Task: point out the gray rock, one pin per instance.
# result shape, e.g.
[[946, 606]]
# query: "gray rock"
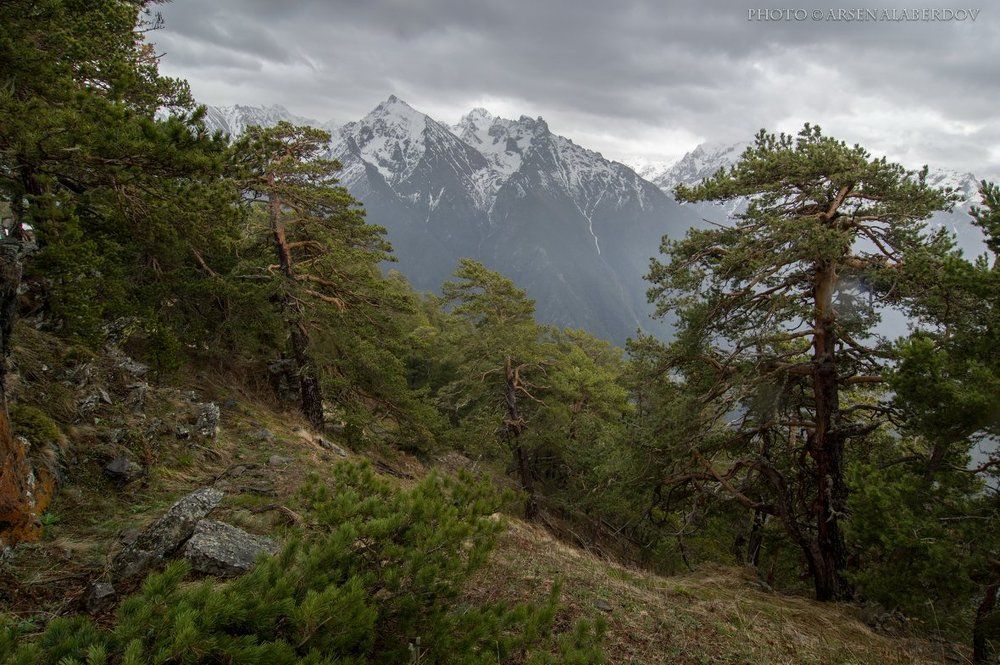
[[122, 469], [217, 548], [136, 399], [92, 401], [331, 446], [164, 536], [182, 432], [133, 367], [264, 434], [279, 460], [209, 416], [99, 597]]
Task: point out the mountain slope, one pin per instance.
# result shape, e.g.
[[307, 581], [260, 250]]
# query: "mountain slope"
[[233, 120], [574, 229], [261, 457]]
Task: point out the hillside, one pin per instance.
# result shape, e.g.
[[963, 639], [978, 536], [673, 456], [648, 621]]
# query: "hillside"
[[262, 455]]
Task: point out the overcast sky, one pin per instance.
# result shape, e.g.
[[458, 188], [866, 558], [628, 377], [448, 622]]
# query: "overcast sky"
[[634, 80]]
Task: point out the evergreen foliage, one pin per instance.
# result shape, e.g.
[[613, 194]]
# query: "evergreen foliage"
[[378, 578], [777, 431], [774, 333]]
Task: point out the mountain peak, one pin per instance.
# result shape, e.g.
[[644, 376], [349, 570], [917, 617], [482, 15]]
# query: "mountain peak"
[[394, 102], [477, 116], [233, 120], [396, 113]]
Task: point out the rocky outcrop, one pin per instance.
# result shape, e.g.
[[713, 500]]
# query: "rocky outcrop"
[[164, 537], [217, 548]]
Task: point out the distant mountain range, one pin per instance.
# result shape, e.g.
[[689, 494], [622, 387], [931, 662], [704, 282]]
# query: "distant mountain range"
[[575, 229]]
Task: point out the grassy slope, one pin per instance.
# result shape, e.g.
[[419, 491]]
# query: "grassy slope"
[[713, 615]]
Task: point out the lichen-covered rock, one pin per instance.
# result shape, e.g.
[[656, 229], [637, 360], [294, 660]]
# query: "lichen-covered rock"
[[279, 460], [209, 416], [217, 548], [165, 536]]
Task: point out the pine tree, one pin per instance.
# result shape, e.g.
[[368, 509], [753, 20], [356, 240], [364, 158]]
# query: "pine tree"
[[326, 255], [773, 333], [81, 156], [502, 360], [945, 387]]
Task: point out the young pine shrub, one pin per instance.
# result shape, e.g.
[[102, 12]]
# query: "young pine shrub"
[[378, 578]]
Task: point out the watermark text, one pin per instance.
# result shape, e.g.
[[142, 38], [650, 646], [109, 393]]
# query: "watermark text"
[[858, 15]]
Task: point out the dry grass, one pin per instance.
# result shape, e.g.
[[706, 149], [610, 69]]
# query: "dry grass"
[[714, 615]]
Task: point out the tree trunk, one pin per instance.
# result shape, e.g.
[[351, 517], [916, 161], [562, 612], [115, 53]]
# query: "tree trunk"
[[826, 444], [756, 538], [514, 426], [980, 652], [310, 391]]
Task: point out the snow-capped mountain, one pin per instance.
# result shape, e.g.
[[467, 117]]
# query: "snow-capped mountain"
[[233, 120], [695, 166], [574, 229]]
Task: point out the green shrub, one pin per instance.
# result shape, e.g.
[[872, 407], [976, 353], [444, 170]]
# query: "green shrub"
[[378, 578]]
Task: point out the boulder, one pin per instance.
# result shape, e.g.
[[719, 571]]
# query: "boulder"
[[122, 469], [164, 536], [217, 548], [279, 460], [136, 399]]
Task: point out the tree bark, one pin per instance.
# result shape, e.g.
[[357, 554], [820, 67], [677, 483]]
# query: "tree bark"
[[310, 391], [826, 443], [514, 426]]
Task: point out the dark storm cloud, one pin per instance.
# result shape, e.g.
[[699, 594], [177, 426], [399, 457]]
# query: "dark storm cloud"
[[644, 78]]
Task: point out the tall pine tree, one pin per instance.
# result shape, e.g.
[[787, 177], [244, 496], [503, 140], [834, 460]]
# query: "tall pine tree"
[[774, 327]]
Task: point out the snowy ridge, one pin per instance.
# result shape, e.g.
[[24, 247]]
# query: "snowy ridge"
[[397, 140], [695, 166], [234, 120]]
